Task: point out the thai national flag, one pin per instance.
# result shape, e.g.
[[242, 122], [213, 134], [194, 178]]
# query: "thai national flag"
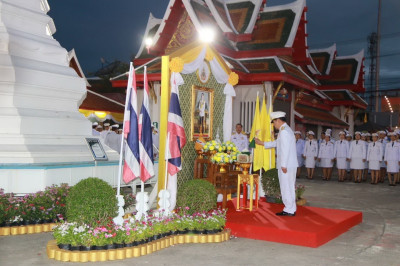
[[131, 133], [175, 129], [145, 136]]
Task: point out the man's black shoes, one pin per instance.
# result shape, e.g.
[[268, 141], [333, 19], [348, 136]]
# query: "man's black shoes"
[[283, 213]]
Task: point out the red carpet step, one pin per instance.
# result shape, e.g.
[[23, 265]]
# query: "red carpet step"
[[311, 227]]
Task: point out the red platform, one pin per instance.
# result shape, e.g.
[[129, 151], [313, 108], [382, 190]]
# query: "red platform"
[[311, 227]]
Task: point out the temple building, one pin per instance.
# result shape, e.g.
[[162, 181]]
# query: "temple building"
[[267, 47]]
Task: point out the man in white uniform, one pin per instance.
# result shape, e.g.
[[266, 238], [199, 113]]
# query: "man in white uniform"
[[106, 131], [94, 131], [113, 140], [300, 151], [286, 161], [240, 139]]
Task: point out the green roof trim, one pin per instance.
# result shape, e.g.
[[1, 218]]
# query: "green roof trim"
[[274, 37], [342, 72], [249, 13], [267, 65]]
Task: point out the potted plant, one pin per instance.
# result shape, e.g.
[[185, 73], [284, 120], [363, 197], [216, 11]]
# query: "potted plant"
[[270, 184]]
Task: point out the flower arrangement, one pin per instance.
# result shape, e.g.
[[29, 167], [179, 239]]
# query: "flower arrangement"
[[40, 207], [221, 157], [270, 183], [230, 146], [134, 232], [213, 145], [234, 156]]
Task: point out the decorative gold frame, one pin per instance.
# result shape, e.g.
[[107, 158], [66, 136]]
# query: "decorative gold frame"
[[207, 135]]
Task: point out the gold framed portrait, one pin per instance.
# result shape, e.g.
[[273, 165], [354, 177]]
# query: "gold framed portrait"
[[202, 112]]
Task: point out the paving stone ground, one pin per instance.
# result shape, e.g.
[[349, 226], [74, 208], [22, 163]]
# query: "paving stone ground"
[[374, 242]]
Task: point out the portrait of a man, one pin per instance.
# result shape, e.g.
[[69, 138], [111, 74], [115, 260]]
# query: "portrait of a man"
[[202, 100]]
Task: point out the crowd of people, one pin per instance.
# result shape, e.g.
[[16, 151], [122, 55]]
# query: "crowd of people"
[[376, 154]]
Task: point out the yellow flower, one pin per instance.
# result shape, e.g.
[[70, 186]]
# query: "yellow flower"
[[211, 148], [234, 149], [176, 64], [218, 159], [219, 149], [226, 159], [233, 78], [229, 148]]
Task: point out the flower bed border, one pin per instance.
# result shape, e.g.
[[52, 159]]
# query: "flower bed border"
[[26, 229], [54, 252]]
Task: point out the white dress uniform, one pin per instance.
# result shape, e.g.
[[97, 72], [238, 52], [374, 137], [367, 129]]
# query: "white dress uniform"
[[366, 165], [104, 133], [310, 152], [392, 156], [241, 141], [357, 154], [374, 155], [341, 153], [300, 151], [383, 142], [286, 157], [113, 140], [95, 132], [326, 154]]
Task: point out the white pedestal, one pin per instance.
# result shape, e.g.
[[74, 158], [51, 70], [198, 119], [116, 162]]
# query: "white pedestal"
[[39, 100]]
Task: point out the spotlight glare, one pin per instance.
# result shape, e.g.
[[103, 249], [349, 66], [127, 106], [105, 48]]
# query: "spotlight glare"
[[148, 42], [206, 35]]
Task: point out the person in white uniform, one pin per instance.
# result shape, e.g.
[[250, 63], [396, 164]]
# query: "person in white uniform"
[[326, 157], [113, 140], [374, 158], [310, 154], [349, 139], [383, 140], [392, 158], [94, 131], [357, 156], [300, 151], [341, 152], [240, 139], [106, 131], [286, 161], [365, 171]]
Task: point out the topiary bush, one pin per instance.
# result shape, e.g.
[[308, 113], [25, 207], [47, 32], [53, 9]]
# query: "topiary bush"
[[91, 201], [270, 183], [199, 195]]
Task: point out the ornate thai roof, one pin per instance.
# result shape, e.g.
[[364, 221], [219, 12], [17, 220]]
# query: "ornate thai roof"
[[345, 70], [310, 115], [153, 24], [346, 98], [322, 59], [276, 27], [235, 16]]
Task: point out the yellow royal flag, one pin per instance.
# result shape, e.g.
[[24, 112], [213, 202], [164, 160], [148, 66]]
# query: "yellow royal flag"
[[266, 136], [256, 133], [269, 137]]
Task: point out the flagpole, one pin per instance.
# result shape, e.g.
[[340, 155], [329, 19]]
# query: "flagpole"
[[128, 94], [118, 219]]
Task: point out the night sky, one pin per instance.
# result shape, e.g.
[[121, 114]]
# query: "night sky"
[[113, 30]]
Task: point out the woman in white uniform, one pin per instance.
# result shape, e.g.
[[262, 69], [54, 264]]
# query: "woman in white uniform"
[[374, 158], [364, 137], [341, 152], [326, 157], [300, 151], [357, 156], [382, 139], [310, 154], [392, 158]]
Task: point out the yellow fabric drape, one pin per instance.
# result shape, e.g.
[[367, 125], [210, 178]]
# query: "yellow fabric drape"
[[266, 135], [256, 133]]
